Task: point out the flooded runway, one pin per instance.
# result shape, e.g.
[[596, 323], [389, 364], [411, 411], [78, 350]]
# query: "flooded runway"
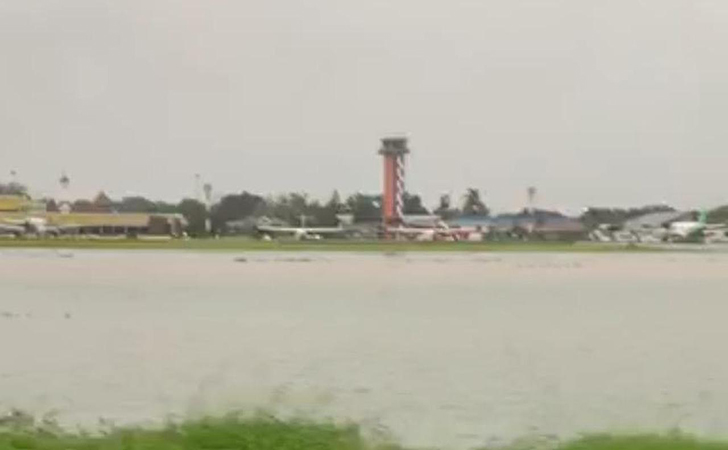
[[453, 350]]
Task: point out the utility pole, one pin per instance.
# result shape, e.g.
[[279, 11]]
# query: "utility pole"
[[198, 197], [208, 206]]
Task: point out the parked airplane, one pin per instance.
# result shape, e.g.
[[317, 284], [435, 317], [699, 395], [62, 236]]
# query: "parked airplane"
[[683, 230], [34, 226], [688, 230], [716, 234], [15, 230], [432, 233], [300, 233]]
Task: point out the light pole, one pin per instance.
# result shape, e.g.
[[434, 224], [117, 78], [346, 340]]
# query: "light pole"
[[208, 204]]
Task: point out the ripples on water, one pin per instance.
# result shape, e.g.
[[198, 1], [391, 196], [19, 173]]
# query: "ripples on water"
[[446, 350]]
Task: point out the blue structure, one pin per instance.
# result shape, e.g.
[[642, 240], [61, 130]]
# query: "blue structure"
[[540, 223]]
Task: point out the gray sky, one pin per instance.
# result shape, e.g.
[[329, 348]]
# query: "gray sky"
[[618, 102]]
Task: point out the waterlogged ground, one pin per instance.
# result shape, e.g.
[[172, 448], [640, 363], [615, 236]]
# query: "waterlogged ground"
[[446, 350]]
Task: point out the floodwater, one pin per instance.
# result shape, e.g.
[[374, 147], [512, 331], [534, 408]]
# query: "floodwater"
[[453, 350]]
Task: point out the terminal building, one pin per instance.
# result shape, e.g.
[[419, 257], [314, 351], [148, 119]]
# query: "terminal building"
[[97, 218]]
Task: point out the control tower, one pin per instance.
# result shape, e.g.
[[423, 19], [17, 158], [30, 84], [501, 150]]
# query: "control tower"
[[393, 151]]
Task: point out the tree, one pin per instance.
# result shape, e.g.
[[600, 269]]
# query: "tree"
[[236, 207], [165, 208], [13, 188], [195, 213], [365, 207], [718, 215], [592, 217], [290, 208], [326, 215], [444, 208], [137, 204], [52, 206], [473, 205], [413, 204], [335, 201], [83, 206], [102, 203]]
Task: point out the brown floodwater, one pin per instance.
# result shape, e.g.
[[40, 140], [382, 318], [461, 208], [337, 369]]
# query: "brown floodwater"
[[452, 350]]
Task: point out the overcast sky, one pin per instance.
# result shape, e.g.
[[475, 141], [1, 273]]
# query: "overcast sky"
[[618, 102]]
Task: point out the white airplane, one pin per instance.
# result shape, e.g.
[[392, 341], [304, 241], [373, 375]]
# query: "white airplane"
[[15, 230], [34, 226], [686, 230], [717, 234], [301, 233], [605, 232], [439, 232]]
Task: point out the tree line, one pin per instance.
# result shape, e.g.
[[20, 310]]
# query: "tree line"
[[593, 217], [245, 208]]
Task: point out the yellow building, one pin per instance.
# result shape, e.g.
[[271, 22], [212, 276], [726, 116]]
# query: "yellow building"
[[19, 203], [15, 209]]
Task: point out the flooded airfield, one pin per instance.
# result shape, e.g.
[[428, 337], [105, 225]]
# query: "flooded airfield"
[[453, 350]]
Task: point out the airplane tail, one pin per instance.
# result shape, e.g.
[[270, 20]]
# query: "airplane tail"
[[703, 217]]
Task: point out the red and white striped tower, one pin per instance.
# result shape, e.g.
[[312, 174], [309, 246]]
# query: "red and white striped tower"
[[393, 151]]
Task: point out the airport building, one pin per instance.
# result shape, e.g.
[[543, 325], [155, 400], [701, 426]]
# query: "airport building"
[[20, 203], [535, 224], [99, 219]]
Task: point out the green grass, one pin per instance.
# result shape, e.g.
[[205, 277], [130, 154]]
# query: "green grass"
[[673, 441], [230, 432], [268, 433], [246, 244]]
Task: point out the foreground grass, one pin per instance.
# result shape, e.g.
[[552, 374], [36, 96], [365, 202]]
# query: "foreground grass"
[[257, 433], [268, 433], [643, 442], [245, 244]]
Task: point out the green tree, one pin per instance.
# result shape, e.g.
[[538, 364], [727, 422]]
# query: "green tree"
[[444, 208], [718, 215], [236, 207], [364, 207], [473, 205], [290, 208], [195, 212], [592, 217], [12, 188], [166, 208], [136, 204], [326, 215], [83, 206], [413, 204], [51, 205]]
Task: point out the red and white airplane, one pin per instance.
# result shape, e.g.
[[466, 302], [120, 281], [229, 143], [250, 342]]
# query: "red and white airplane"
[[434, 230]]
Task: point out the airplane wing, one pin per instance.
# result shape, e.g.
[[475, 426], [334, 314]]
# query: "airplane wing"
[[324, 230], [14, 222], [66, 227], [272, 229], [716, 226], [410, 230]]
